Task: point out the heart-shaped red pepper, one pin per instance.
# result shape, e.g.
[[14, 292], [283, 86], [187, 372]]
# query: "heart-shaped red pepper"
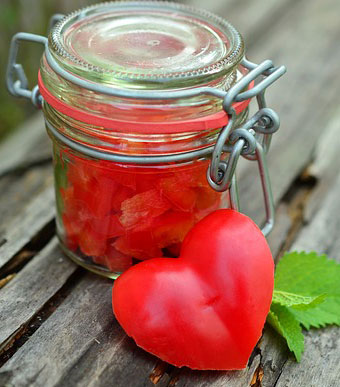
[[206, 309]]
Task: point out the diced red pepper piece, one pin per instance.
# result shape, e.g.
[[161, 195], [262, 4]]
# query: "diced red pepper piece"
[[100, 260], [120, 196], [89, 242], [172, 227], [139, 245], [115, 260], [206, 197], [79, 171], [99, 198], [73, 207], [182, 197], [105, 227], [193, 176], [146, 181], [71, 232], [141, 207], [123, 177], [92, 185]]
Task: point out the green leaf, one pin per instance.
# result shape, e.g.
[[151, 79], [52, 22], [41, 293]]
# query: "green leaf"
[[312, 275], [297, 301], [284, 322], [322, 315]]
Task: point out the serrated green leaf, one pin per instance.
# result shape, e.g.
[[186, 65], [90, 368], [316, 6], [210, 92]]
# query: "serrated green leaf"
[[297, 301], [310, 274], [284, 322], [320, 316]]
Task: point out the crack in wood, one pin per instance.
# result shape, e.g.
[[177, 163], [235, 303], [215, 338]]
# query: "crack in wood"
[[256, 380], [279, 374], [173, 381], [4, 281], [297, 197], [158, 372], [30, 250], [257, 377], [256, 352]]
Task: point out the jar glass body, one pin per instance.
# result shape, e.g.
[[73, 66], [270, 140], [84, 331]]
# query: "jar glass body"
[[110, 215]]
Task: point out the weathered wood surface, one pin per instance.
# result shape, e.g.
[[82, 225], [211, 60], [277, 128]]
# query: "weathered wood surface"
[[56, 323], [27, 147], [32, 283], [306, 97], [320, 364]]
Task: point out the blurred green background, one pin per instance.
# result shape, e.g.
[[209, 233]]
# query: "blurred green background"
[[28, 16]]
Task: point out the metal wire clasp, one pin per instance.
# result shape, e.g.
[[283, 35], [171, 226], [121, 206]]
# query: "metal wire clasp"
[[252, 140], [16, 80]]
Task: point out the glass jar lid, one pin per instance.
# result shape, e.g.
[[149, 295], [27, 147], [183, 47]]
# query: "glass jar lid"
[[146, 45]]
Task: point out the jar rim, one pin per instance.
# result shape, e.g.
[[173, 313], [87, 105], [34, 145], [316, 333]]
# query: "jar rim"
[[65, 52]]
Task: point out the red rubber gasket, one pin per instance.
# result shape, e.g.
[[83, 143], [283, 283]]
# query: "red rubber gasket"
[[213, 121]]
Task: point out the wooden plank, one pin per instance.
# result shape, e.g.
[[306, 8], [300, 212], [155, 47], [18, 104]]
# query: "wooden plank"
[[28, 145], [27, 204], [320, 364], [251, 18], [216, 6], [214, 378], [325, 165], [18, 190], [39, 212], [80, 344], [296, 43], [31, 289]]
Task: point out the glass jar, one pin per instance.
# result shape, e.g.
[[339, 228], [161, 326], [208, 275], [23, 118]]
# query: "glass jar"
[[134, 98]]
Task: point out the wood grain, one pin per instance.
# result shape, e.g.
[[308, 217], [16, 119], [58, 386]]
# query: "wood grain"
[[302, 39], [80, 344], [22, 228], [31, 289], [27, 204], [29, 145], [320, 364], [325, 165]]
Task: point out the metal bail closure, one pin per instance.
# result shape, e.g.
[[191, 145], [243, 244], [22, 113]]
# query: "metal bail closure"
[[252, 140], [227, 176], [16, 79]]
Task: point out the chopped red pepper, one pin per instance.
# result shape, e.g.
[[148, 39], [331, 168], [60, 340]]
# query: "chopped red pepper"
[[140, 245], [142, 206], [114, 213]]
